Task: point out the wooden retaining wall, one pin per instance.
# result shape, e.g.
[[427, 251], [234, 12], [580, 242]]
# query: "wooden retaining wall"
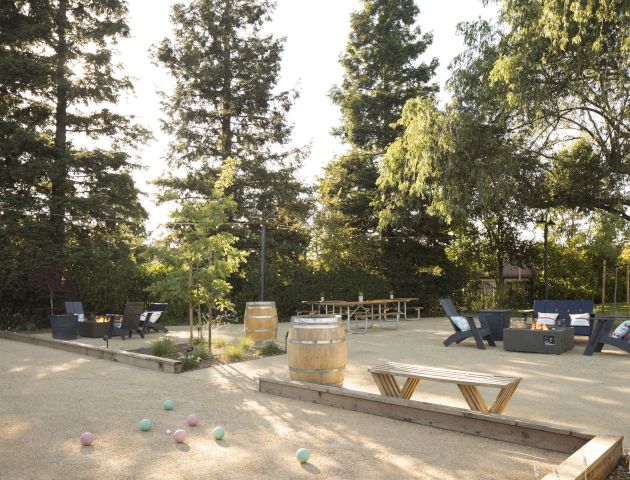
[[131, 358], [592, 457]]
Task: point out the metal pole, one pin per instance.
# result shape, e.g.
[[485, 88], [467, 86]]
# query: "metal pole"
[[546, 255], [263, 239], [604, 287], [615, 290]]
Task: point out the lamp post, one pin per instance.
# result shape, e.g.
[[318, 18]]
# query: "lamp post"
[[262, 217], [263, 241], [546, 222]]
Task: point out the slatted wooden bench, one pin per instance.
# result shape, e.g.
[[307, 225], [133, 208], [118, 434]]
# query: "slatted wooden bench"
[[384, 376]]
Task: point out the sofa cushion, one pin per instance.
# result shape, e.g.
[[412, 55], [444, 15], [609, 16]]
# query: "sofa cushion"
[[547, 318], [580, 319], [461, 323], [622, 330]]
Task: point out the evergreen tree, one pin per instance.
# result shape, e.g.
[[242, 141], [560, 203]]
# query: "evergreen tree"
[[59, 193], [382, 72], [465, 164], [225, 105]]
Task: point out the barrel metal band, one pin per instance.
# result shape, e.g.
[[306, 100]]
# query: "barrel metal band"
[[315, 327], [317, 370], [317, 342], [306, 320], [255, 330], [260, 316]]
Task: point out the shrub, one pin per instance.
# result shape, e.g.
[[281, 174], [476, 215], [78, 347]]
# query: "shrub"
[[190, 362], [219, 342], [229, 317], [162, 347], [246, 343], [233, 352], [271, 348], [201, 351]]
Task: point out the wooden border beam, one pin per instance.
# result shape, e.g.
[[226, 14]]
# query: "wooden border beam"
[[592, 457], [496, 427], [131, 358], [594, 461]]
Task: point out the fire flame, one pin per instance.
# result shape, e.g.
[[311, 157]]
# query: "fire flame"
[[539, 326]]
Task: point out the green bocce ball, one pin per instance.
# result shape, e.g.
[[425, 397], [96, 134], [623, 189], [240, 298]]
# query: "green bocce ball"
[[218, 433], [145, 425], [302, 455], [168, 404]]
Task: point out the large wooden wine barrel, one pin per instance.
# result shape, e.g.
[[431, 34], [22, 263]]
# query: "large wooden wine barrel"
[[261, 320], [317, 349]]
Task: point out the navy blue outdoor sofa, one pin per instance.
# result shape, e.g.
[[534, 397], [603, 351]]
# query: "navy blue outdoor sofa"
[[564, 308]]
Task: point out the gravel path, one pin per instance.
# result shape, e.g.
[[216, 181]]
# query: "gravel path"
[[49, 397]]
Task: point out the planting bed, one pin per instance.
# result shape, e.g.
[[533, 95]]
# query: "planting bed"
[[217, 357]]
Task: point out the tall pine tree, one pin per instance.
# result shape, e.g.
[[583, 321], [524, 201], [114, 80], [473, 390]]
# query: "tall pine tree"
[[224, 105], [59, 193], [382, 72]]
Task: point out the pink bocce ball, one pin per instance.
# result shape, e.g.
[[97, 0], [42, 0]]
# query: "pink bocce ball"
[[179, 436], [192, 420], [86, 439]]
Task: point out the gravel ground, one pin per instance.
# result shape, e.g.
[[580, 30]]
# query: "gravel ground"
[[49, 397]]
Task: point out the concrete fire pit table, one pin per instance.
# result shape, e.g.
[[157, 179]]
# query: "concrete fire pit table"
[[558, 340]]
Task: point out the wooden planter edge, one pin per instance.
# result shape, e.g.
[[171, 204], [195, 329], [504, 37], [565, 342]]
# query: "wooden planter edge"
[[167, 365], [592, 457]]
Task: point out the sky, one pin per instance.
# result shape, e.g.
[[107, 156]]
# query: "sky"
[[316, 33]]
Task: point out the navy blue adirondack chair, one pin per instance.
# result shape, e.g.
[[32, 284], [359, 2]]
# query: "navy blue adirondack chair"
[[564, 308], [150, 317], [130, 321], [602, 335], [77, 309], [478, 333]]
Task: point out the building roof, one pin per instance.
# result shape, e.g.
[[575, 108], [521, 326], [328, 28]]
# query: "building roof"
[[513, 272]]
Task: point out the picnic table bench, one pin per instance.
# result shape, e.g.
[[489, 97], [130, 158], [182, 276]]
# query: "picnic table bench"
[[384, 376]]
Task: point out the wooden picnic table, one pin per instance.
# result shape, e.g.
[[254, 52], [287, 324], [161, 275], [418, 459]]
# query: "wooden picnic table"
[[384, 376], [386, 310]]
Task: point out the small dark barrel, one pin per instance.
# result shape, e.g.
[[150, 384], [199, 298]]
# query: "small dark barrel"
[[317, 349], [64, 327]]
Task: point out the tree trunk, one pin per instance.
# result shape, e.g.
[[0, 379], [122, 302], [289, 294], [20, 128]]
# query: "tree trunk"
[[199, 322], [226, 110], [500, 281], [210, 325], [190, 306], [210, 259], [59, 170], [190, 321]]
